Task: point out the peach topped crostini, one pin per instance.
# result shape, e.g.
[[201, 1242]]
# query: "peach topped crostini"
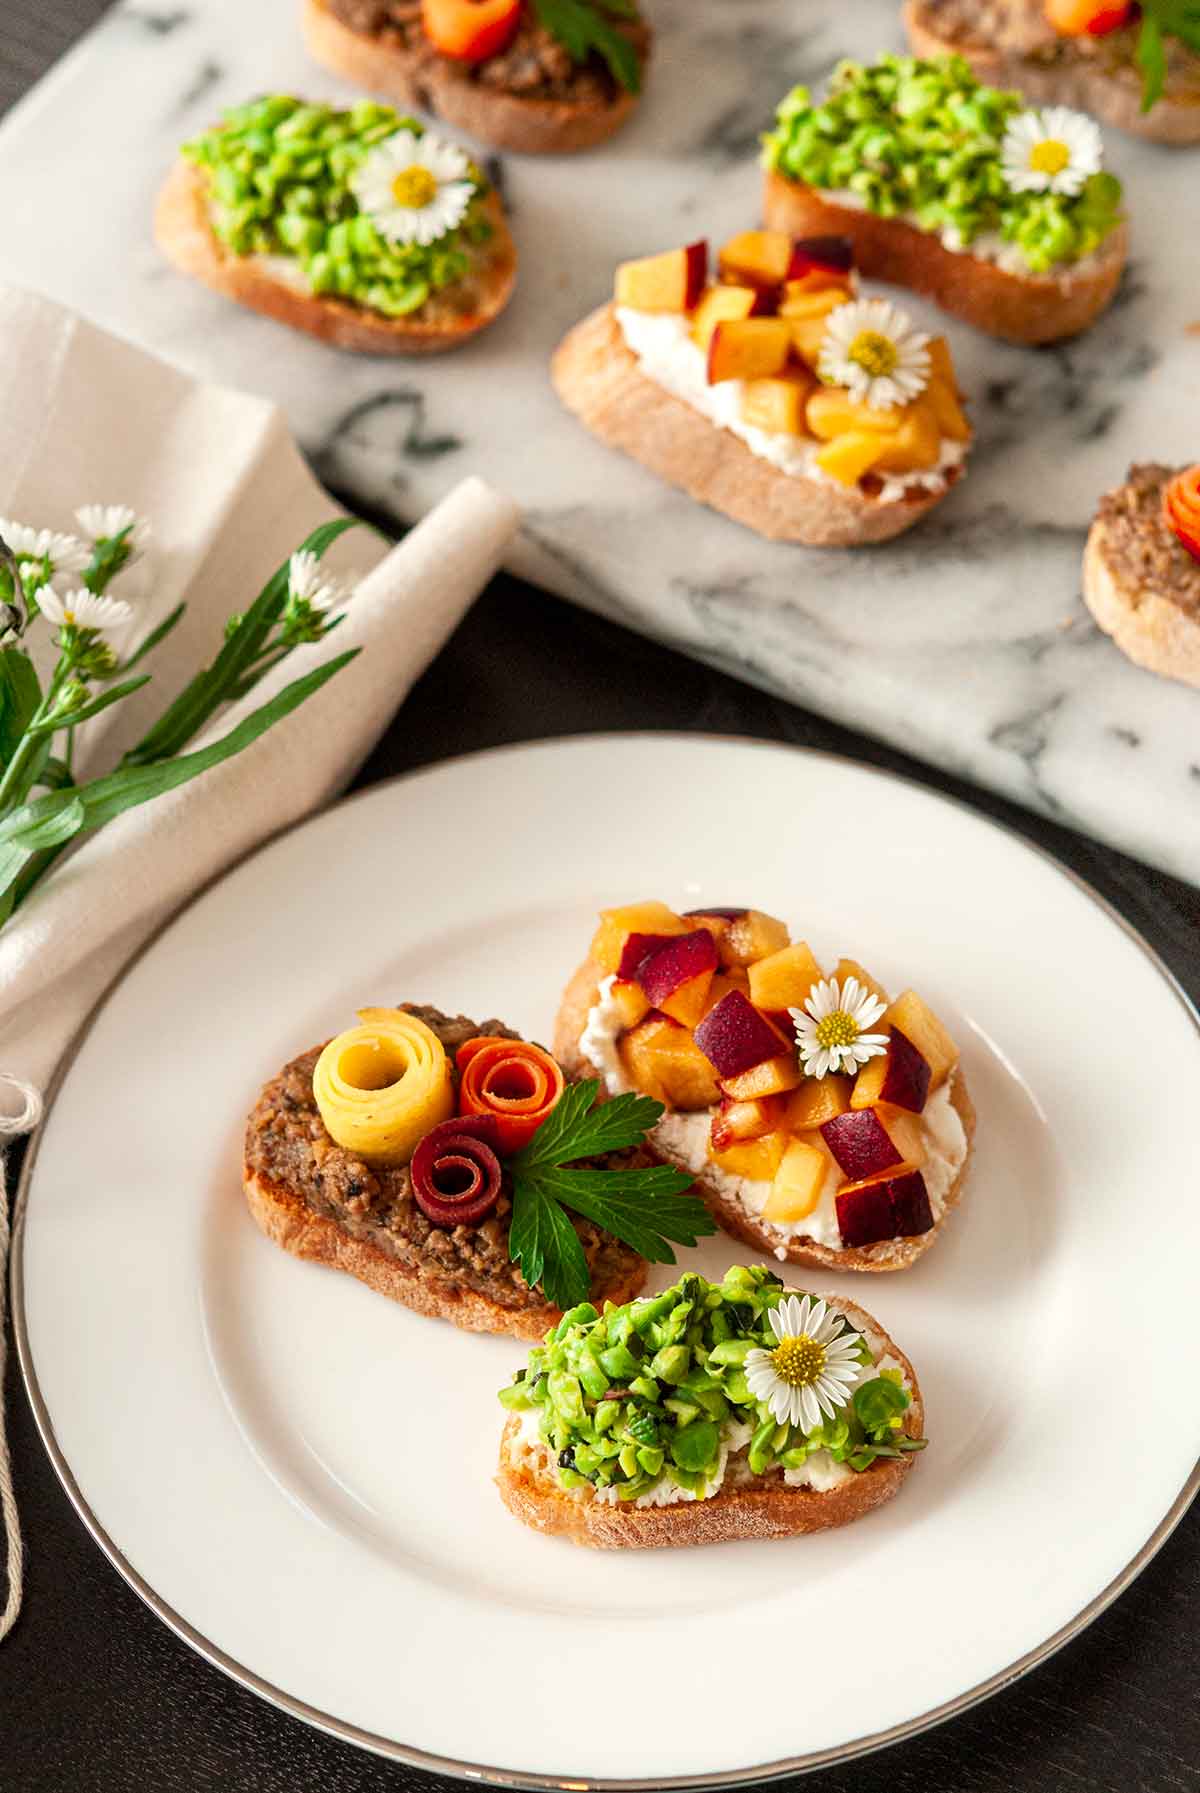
[[771, 391], [824, 1121]]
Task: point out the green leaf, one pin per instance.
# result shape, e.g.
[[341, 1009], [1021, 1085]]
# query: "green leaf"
[[543, 1242], [114, 694], [578, 1127], [584, 28], [644, 1208], [878, 1402], [155, 636], [59, 824], [1151, 58], [20, 695]]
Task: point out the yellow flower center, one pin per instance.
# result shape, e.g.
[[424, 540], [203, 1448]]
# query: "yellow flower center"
[[414, 188], [874, 353], [69, 617], [1050, 156], [837, 1029], [798, 1360]]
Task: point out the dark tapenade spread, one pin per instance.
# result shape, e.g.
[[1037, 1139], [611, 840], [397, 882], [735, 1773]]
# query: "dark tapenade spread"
[[286, 1143], [1020, 28], [1146, 557]]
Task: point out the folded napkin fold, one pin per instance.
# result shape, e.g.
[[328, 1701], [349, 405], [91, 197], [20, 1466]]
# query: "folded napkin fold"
[[87, 418]]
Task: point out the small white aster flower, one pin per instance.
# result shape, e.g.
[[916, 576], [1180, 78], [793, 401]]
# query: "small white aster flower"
[[831, 1029], [1053, 151], [306, 585], [813, 1368], [414, 189], [82, 610], [99, 521], [59, 553], [872, 349]]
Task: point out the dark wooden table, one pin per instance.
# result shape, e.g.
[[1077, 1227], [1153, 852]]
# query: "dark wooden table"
[[97, 1695]]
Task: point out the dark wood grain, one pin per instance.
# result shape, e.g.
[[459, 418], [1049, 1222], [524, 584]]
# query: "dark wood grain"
[[96, 1695]]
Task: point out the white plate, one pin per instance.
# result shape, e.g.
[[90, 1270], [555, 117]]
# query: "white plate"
[[297, 1474]]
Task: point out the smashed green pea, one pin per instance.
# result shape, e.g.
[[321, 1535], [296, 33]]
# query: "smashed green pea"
[[280, 174], [922, 140], [689, 1401]]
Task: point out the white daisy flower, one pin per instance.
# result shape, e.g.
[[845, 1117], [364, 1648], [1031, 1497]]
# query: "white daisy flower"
[[832, 1035], [813, 1368], [57, 553], [82, 610], [872, 349], [99, 521], [414, 189], [1053, 151], [306, 586]]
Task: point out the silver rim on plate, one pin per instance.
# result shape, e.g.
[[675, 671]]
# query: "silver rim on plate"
[[475, 1771]]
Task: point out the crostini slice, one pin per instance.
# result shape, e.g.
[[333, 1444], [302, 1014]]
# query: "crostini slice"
[[503, 77], [1141, 568], [851, 1161], [450, 1166], [706, 1414], [1001, 216], [772, 392], [358, 227]]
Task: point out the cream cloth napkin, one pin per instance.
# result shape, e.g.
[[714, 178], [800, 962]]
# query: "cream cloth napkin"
[[87, 418]]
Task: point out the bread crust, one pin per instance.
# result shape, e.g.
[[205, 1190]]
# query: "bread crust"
[[1025, 308], [732, 1514], [1146, 625], [183, 231], [288, 1220], [438, 84], [893, 1254], [597, 376], [1115, 98]]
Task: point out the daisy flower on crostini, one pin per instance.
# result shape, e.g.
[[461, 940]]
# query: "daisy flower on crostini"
[[1052, 151], [48, 550], [414, 189], [873, 349], [101, 522], [82, 610], [812, 1369], [831, 1028]]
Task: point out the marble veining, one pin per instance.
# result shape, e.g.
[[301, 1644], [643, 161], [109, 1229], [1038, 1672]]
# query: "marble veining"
[[965, 642]]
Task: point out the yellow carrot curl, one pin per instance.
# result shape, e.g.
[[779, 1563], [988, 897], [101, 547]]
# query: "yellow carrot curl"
[[380, 1087]]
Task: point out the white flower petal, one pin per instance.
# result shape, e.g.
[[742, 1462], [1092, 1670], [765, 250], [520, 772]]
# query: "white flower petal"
[[810, 1410]]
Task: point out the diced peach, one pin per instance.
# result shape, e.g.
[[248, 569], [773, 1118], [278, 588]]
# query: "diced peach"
[[689, 1003], [746, 1120], [916, 444], [848, 457], [777, 405], [748, 349], [816, 1101], [783, 979], [831, 412], [807, 336], [616, 925], [725, 981], [770, 1078], [757, 1159], [919, 1024], [670, 282], [805, 305], [662, 1060], [816, 280], [905, 1132], [752, 935], [951, 418], [758, 258], [798, 1181], [631, 1000], [900, 1076], [851, 968], [941, 363], [722, 304]]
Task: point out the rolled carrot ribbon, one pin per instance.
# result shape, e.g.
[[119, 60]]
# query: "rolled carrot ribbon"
[[516, 1082], [1181, 508], [382, 1086]]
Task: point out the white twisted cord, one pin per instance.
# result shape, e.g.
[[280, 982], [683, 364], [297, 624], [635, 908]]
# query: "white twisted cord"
[[24, 1121]]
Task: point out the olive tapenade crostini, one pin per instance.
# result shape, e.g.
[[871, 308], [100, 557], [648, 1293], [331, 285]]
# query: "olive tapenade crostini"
[[539, 76], [452, 1167], [1001, 215], [823, 1123], [359, 227], [1141, 568], [707, 1414]]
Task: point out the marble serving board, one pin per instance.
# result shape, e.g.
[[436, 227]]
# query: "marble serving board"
[[965, 642]]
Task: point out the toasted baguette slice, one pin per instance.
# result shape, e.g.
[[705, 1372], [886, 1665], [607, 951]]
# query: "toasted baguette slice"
[[1027, 308], [1153, 626], [1111, 94], [766, 1508], [435, 83], [580, 996], [184, 233], [597, 376]]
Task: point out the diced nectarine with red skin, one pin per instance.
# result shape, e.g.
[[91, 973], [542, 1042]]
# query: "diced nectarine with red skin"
[[900, 1076], [848, 457], [758, 258], [834, 253], [910, 1204], [777, 405], [816, 280], [676, 975], [831, 412], [906, 1133], [725, 981], [734, 1037], [891, 1207], [632, 1001], [662, 1060], [798, 1181], [752, 936], [637, 949], [723, 304], [616, 925], [920, 1025], [746, 1120], [783, 979], [748, 349], [851, 968], [670, 282], [773, 1077], [817, 1100], [916, 445], [757, 1159], [860, 1142]]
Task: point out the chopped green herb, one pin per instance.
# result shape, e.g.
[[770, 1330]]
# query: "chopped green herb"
[[585, 28]]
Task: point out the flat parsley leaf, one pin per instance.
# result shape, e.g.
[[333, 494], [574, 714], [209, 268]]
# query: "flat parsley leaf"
[[646, 1209], [1171, 18], [584, 27]]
